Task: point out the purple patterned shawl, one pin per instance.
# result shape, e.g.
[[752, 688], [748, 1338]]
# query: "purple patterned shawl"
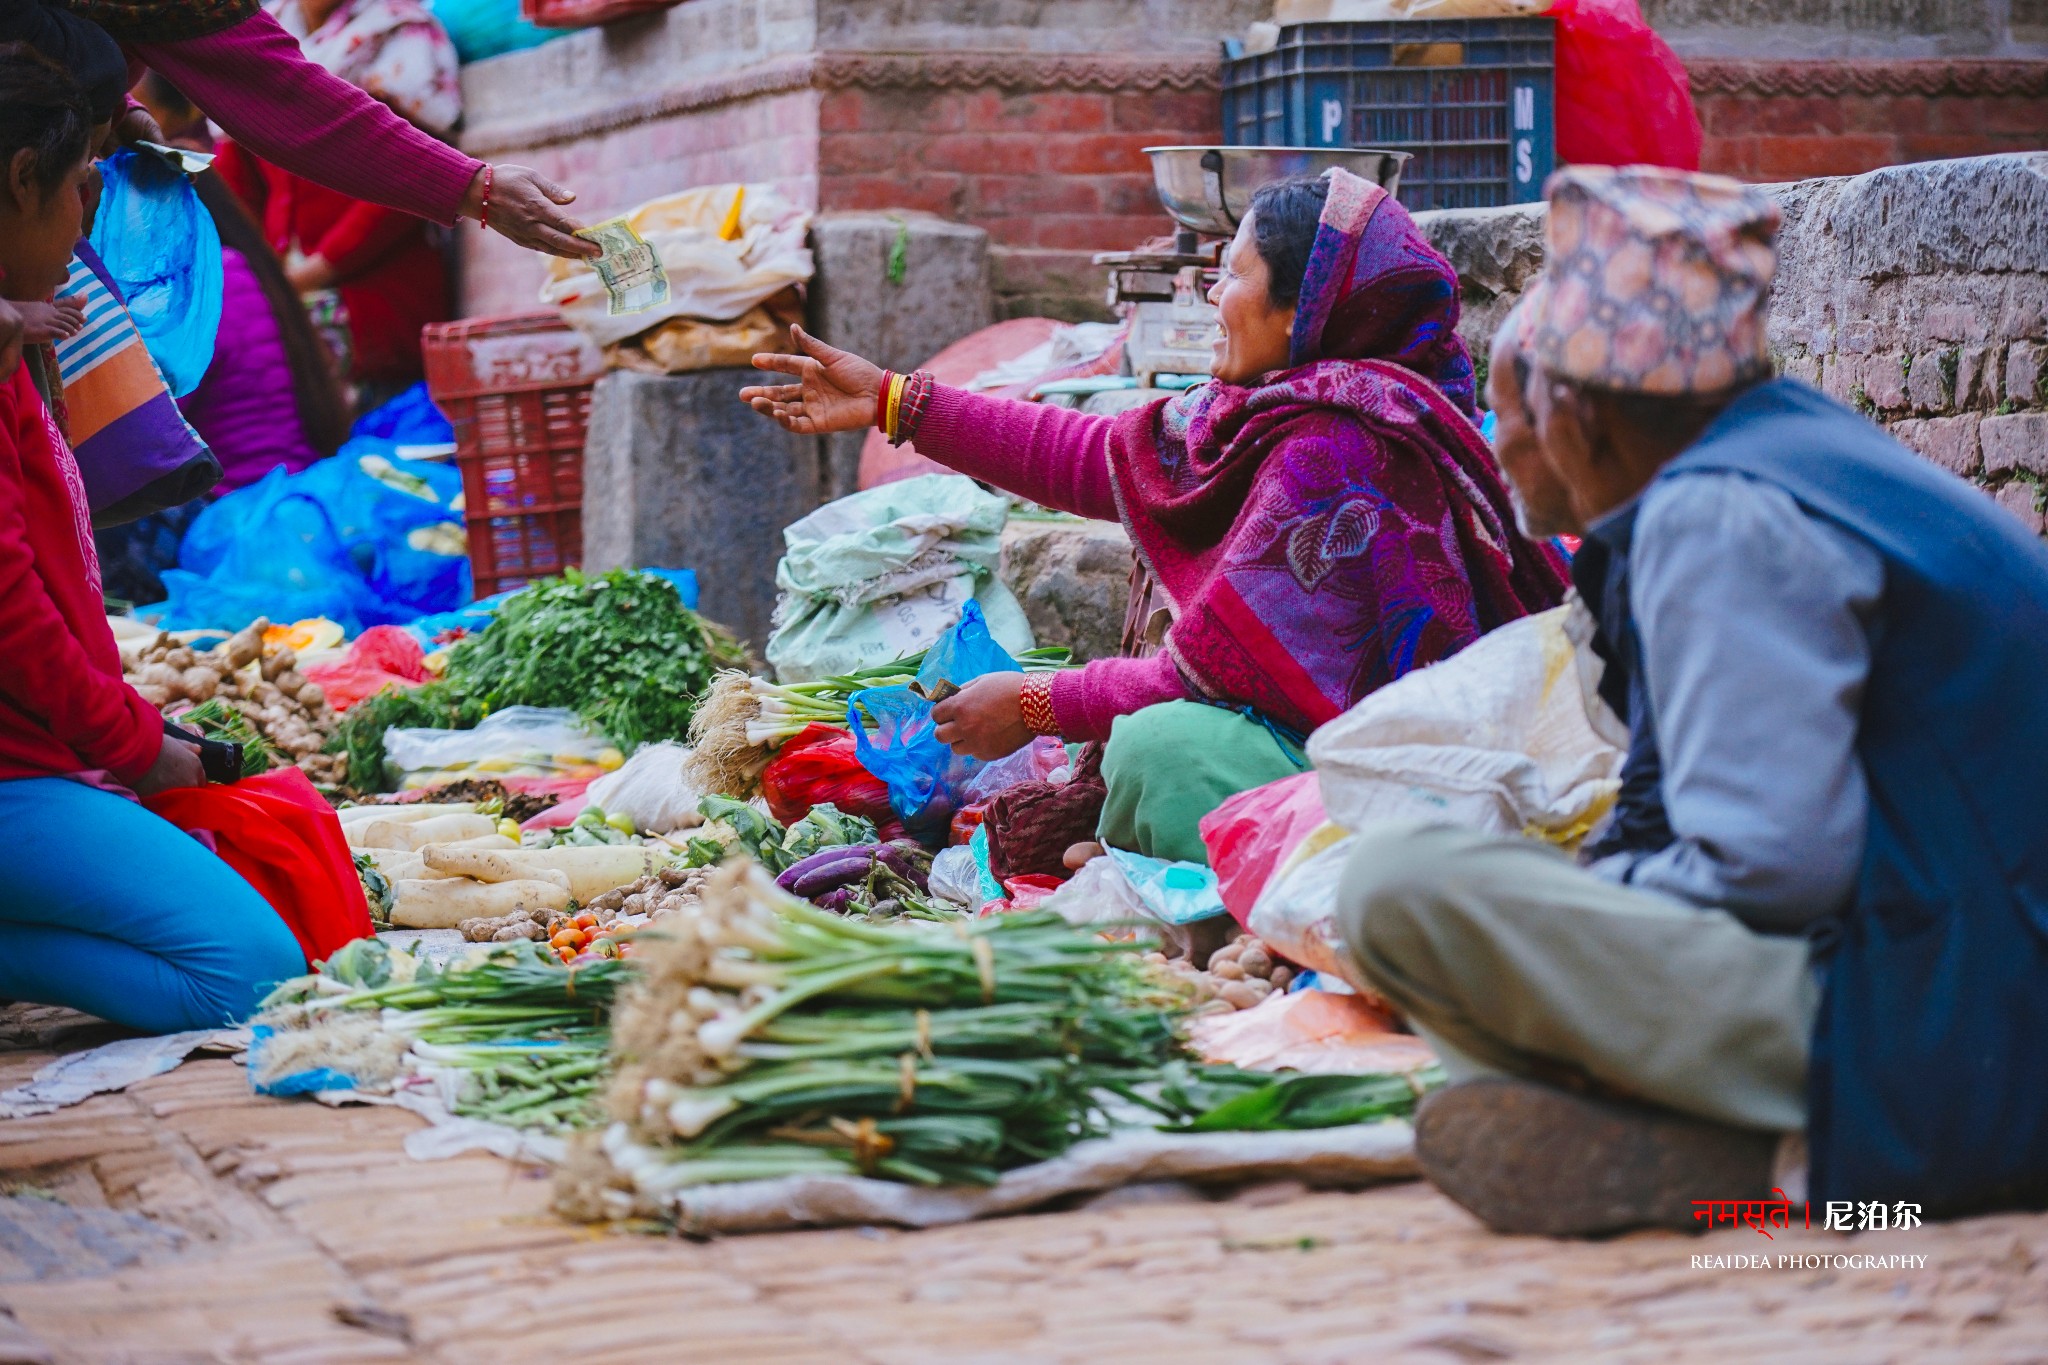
[[1342, 521]]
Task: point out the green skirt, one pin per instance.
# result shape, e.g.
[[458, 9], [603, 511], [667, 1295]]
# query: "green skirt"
[[1169, 765]]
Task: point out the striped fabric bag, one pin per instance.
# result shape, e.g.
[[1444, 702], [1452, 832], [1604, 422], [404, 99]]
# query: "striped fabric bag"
[[136, 450]]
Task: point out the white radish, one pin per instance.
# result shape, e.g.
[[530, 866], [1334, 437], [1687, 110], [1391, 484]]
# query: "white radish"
[[445, 902]]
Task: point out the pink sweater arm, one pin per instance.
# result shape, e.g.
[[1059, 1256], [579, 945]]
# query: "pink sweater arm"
[[1086, 702], [1056, 457], [254, 82]]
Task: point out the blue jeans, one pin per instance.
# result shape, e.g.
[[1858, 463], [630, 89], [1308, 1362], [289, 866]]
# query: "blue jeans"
[[110, 910]]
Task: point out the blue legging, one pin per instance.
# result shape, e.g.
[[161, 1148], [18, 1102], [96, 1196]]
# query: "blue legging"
[[108, 909]]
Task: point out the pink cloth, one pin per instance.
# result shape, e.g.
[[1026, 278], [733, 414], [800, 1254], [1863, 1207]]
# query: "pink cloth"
[[254, 82], [1057, 458]]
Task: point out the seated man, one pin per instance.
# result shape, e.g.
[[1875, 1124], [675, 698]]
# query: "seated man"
[[1821, 907]]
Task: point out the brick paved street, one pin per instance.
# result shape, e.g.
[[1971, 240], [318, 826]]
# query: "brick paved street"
[[280, 1231]]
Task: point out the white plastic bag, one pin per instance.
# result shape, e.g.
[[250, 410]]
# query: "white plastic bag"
[[885, 572], [1101, 894], [954, 877], [1509, 736], [519, 741], [1296, 915], [709, 277], [651, 789]]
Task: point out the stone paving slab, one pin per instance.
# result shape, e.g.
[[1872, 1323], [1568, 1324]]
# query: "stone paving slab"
[[303, 1234]]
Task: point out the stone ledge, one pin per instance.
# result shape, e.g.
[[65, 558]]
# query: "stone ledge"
[[1929, 77], [1074, 579]]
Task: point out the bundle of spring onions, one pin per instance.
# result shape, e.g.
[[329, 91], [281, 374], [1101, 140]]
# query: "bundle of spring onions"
[[510, 1034], [743, 720], [767, 1037]]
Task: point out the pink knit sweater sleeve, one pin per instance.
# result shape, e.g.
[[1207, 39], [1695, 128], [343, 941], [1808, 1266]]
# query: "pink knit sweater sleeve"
[[1056, 457], [254, 82], [1086, 702]]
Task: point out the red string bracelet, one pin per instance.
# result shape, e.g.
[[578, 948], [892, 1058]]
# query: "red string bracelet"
[[483, 217]]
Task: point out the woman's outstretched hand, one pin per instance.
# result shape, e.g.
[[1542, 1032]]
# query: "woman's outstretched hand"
[[836, 389], [523, 207]]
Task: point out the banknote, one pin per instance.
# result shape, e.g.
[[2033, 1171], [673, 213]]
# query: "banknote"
[[184, 158], [631, 272]]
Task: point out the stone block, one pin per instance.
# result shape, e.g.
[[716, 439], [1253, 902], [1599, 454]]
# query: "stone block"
[[943, 295], [1985, 215], [2026, 367], [2023, 500], [2018, 441], [1883, 380], [677, 473], [1951, 442], [1074, 579], [1930, 384], [1979, 371], [1804, 368]]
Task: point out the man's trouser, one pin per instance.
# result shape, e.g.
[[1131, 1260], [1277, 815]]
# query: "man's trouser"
[[1511, 959]]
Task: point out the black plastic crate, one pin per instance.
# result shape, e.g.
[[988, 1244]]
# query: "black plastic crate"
[[1471, 98]]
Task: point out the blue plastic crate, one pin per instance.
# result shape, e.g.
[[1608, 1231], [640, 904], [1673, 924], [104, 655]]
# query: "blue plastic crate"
[[1470, 98]]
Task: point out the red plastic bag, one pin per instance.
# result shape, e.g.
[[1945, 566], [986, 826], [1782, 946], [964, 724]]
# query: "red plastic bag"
[[820, 766], [1623, 98], [1251, 834], [381, 656], [286, 842]]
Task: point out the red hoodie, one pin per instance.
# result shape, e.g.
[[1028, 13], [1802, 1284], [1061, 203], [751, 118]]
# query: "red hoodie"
[[63, 706]]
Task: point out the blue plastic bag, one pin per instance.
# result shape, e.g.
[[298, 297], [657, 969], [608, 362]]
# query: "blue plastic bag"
[[410, 419], [360, 538], [488, 28], [162, 250], [926, 779], [264, 550]]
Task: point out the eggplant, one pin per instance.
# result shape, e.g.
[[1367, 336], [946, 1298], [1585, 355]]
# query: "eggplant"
[[824, 857], [907, 859], [838, 900], [819, 880]]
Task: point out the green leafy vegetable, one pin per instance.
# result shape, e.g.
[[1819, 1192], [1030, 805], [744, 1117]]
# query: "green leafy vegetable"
[[1223, 1099], [216, 719], [825, 827], [621, 650], [758, 833]]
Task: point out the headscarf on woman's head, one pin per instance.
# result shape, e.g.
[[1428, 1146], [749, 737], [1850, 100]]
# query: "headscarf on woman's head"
[[1376, 290], [1342, 522]]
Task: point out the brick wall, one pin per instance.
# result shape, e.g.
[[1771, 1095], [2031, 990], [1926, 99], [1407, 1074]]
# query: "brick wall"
[[1045, 154], [1777, 121], [1917, 294]]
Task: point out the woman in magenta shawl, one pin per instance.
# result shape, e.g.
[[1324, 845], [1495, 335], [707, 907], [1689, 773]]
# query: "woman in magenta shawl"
[[1319, 519]]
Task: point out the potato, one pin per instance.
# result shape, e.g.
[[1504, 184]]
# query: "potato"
[[313, 697], [591, 871], [1227, 953], [1282, 978], [1256, 961], [1229, 969], [151, 693], [1240, 995], [445, 903]]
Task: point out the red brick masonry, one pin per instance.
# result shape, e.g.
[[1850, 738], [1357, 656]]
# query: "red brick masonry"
[[1774, 121]]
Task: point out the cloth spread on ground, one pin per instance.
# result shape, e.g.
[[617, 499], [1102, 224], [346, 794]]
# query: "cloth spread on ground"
[[254, 82], [1342, 522], [63, 705], [117, 1065]]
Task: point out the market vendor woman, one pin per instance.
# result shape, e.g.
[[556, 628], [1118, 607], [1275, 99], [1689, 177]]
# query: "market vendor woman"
[[1320, 519], [103, 906]]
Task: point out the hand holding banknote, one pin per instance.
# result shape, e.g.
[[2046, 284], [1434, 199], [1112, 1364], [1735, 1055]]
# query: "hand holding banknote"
[[629, 267]]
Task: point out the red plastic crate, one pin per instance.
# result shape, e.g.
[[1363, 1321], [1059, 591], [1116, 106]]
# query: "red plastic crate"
[[586, 13], [517, 391]]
